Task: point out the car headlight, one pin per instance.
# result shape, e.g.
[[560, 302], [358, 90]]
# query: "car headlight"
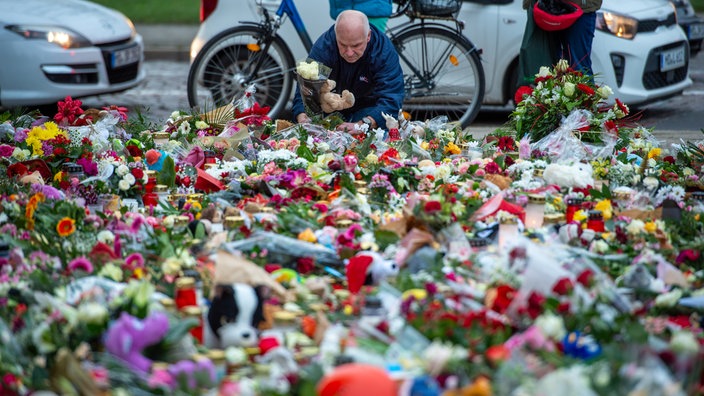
[[616, 24], [52, 34]]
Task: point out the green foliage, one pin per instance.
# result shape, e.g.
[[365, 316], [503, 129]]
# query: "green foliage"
[[156, 11]]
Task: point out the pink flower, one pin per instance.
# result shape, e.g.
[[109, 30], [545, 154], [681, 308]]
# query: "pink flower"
[[350, 163], [134, 261], [81, 264], [6, 150]]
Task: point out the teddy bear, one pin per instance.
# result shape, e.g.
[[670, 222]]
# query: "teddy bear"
[[331, 102]]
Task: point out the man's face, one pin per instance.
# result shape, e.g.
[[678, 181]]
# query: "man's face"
[[351, 43]]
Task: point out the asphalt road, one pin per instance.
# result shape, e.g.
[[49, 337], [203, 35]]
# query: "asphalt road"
[[165, 91]]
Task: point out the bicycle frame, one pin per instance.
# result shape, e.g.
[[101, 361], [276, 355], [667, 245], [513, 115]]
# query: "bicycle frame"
[[272, 24]]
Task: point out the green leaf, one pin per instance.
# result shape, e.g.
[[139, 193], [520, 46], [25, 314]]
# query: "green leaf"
[[304, 152], [385, 238]]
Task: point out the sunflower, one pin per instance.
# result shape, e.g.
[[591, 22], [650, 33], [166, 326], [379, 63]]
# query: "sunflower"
[[66, 226]]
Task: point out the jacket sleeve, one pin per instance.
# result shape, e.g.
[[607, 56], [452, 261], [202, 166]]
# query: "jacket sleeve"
[[389, 84]]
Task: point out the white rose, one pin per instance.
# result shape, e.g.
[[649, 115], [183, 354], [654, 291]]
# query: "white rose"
[[106, 236], [307, 70], [668, 299], [684, 342], [122, 170], [551, 326], [124, 185], [202, 125], [175, 115], [92, 313], [168, 221], [604, 91], [129, 178], [568, 89], [600, 246], [544, 71]]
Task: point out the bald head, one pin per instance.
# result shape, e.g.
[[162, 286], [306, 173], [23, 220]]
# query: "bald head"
[[353, 33]]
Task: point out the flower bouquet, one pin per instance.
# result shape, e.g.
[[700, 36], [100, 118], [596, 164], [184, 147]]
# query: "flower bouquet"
[[556, 93]]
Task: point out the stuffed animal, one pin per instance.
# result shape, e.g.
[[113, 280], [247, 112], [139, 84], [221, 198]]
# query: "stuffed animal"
[[577, 174], [368, 268], [234, 316], [129, 336], [331, 102]]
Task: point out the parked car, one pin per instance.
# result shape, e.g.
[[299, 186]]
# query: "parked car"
[[53, 49], [692, 24], [638, 50]]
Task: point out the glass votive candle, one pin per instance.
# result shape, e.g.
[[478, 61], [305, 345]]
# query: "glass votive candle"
[[535, 211], [508, 231]]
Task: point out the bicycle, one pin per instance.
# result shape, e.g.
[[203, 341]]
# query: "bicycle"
[[442, 68]]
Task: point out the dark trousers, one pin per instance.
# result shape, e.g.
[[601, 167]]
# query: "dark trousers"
[[575, 43]]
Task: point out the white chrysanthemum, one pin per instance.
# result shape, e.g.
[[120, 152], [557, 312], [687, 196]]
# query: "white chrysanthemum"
[[184, 128], [106, 236], [124, 185], [651, 183], [122, 170], [636, 227]]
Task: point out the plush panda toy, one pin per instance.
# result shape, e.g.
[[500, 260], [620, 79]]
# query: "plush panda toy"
[[234, 316]]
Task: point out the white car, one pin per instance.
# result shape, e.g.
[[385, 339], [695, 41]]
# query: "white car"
[[52, 49], [638, 50]]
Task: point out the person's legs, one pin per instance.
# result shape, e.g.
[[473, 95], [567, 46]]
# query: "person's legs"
[[577, 43]]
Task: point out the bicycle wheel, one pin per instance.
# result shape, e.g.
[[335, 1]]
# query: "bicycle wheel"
[[443, 74], [231, 61]]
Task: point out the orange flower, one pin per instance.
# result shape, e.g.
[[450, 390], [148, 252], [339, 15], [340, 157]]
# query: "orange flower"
[[66, 226]]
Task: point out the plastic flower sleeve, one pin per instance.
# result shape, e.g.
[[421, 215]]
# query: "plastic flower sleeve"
[[286, 248], [311, 77], [563, 144]]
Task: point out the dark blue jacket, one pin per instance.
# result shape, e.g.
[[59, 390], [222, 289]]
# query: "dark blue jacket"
[[376, 79]]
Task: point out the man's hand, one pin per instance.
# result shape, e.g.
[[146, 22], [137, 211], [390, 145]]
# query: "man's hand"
[[350, 127], [303, 118]]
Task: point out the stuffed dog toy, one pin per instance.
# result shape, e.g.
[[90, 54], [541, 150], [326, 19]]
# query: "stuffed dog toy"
[[234, 316]]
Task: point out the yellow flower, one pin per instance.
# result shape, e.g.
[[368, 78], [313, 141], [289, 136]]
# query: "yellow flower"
[[424, 145], [605, 207], [308, 236], [39, 134], [557, 201], [580, 215], [348, 310], [59, 176], [452, 148], [650, 227], [654, 152]]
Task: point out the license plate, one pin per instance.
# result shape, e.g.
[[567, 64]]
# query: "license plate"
[[696, 31], [125, 56], [672, 59]]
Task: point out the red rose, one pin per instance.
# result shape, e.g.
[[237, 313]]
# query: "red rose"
[[137, 173], [563, 286], [134, 150], [432, 207], [585, 278]]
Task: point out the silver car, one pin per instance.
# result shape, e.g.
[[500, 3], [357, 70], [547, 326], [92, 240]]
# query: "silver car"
[[53, 49]]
